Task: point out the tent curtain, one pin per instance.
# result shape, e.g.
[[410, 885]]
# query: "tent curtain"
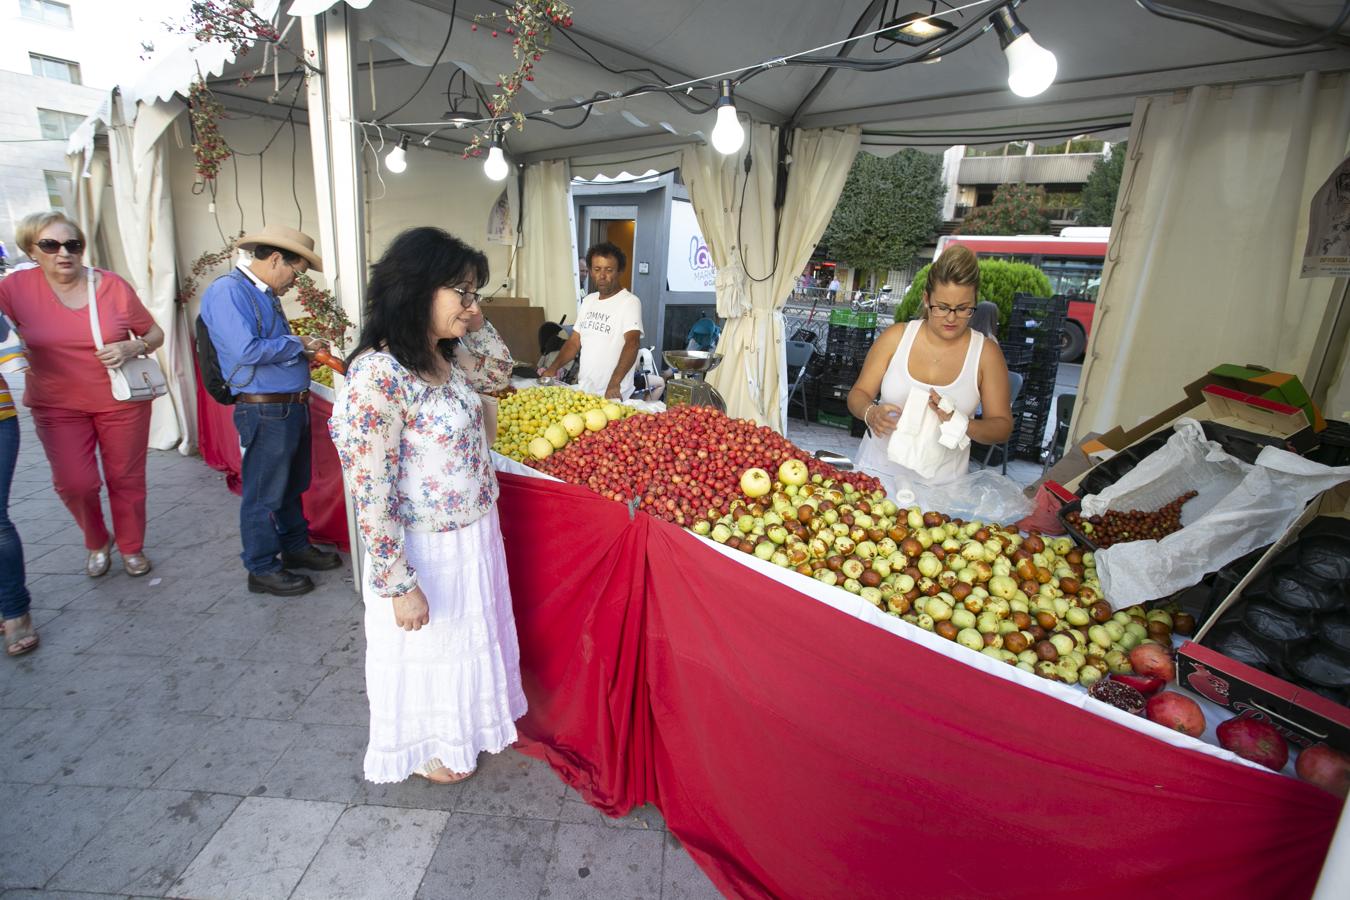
[[1207, 242], [736, 214], [139, 158], [89, 174], [546, 254]]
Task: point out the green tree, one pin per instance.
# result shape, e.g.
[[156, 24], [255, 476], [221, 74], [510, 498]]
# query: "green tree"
[[1099, 192], [1000, 280], [1016, 209], [889, 209]]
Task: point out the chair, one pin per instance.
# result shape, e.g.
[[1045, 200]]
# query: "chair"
[[1014, 388], [798, 356], [1060, 438]]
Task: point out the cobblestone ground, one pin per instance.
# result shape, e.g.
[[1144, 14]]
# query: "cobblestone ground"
[[177, 736]]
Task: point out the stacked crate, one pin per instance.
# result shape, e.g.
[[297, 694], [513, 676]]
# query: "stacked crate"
[[850, 337], [1031, 348]]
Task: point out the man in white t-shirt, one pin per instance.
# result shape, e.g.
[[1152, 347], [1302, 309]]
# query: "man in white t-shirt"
[[608, 329]]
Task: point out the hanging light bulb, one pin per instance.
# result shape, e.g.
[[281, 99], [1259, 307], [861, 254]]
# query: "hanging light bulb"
[[1031, 67], [727, 135], [495, 166], [397, 159]]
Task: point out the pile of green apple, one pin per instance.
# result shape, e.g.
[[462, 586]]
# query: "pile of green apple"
[[1032, 602]]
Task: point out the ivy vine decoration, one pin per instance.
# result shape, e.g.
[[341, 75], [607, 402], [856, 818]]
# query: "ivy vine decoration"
[[330, 321], [208, 146], [203, 266], [229, 22], [529, 24]]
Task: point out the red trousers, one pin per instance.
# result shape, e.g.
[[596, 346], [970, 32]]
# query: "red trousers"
[[120, 437]]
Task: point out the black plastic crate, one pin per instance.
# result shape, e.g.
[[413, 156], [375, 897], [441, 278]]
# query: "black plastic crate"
[[1030, 303], [1017, 356]]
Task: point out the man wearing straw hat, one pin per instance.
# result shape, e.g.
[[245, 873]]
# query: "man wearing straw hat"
[[267, 369]]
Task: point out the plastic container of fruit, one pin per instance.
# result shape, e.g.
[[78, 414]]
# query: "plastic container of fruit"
[[1063, 515]]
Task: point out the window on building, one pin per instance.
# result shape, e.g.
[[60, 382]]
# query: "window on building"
[[51, 67], [47, 11], [60, 190], [58, 125]]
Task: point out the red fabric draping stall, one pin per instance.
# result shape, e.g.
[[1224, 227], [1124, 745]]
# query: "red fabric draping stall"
[[323, 502], [798, 752]]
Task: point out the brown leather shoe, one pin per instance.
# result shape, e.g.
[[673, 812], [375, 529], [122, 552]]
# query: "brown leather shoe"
[[136, 564]]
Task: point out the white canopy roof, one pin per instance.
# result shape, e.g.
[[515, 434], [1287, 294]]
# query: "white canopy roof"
[[1108, 54]]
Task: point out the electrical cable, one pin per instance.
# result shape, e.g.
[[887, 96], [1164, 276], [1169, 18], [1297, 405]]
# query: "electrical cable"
[[430, 71], [1242, 35]]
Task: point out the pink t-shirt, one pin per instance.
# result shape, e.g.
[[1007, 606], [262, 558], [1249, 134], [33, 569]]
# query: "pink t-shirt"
[[63, 371]]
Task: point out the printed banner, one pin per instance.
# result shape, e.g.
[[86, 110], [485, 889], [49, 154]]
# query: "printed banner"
[[689, 266]]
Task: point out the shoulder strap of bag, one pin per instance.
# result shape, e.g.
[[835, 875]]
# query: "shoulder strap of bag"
[[93, 310]]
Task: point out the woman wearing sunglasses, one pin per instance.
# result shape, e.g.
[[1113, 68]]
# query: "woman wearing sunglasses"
[[78, 422], [948, 368], [442, 662]]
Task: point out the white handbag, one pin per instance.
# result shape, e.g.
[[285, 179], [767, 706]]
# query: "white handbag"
[[139, 378]]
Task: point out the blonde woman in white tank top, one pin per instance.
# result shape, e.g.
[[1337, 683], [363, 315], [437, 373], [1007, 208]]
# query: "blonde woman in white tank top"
[[939, 352]]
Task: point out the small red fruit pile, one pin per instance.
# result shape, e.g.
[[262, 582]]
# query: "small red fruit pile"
[[1117, 527], [682, 463]]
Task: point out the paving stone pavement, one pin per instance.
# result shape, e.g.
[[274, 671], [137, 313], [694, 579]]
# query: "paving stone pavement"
[[177, 736]]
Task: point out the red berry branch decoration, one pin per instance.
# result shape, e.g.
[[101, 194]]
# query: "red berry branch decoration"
[[330, 319], [203, 266], [529, 24], [208, 146], [230, 22]]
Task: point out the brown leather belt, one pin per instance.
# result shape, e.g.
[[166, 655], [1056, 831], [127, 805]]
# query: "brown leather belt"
[[299, 397]]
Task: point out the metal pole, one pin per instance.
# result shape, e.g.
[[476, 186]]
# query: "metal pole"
[[339, 187]]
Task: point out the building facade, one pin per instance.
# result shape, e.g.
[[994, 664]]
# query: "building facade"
[[53, 74]]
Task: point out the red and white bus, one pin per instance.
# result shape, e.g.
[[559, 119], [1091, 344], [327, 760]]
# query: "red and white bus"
[[1073, 263]]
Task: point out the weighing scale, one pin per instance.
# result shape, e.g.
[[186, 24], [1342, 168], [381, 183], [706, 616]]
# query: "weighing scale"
[[688, 388]]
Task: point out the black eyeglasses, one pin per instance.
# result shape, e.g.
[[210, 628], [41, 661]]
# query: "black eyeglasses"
[[943, 310], [74, 247], [469, 298]]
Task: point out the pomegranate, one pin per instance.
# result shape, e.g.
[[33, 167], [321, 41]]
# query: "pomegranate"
[[1325, 767], [1148, 685], [1178, 712], [1255, 740], [1153, 659], [1118, 694]]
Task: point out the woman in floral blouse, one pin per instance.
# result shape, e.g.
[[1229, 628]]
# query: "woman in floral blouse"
[[442, 661]]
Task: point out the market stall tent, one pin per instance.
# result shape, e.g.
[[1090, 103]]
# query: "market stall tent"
[[1109, 54]]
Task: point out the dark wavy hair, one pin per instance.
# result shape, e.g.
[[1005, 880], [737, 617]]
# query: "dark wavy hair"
[[607, 249], [402, 286]]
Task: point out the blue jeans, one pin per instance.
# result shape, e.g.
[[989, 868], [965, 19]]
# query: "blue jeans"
[[14, 599], [275, 472]]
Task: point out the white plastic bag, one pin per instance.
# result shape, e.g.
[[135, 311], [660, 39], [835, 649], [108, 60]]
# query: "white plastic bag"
[[983, 494], [1239, 507]]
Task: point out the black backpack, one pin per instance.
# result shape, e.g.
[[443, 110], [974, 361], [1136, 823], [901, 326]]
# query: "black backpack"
[[215, 382], [207, 361]]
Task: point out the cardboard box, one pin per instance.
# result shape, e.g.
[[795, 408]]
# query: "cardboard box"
[[1304, 718], [518, 323], [1261, 421], [1278, 386], [1335, 502]]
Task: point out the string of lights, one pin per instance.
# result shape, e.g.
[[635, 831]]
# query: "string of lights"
[[1032, 70]]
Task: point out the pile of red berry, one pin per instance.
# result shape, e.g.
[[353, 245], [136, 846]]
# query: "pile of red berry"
[[1116, 527], [682, 463]]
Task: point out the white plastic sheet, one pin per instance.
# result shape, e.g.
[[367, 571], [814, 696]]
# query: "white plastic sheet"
[[1238, 508]]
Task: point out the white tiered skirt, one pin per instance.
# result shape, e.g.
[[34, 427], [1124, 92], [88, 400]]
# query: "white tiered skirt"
[[450, 690]]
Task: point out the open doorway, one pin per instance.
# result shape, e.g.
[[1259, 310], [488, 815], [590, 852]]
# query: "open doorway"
[[615, 224]]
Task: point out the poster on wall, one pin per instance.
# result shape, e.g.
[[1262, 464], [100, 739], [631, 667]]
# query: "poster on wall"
[[1327, 252], [502, 224], [689, 265]]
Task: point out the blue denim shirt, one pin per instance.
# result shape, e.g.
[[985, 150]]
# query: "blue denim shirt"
[[270, 362]]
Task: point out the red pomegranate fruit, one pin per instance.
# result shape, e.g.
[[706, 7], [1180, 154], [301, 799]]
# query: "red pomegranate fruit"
[[1177, 712], [1255, 740], [1153, 659], [1327, 768], [1148, 685]]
